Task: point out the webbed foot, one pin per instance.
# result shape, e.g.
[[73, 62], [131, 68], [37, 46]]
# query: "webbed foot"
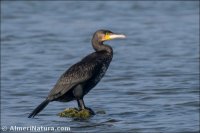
[[90, 110]]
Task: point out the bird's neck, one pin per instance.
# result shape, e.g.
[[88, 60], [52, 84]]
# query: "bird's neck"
[[99, 46]]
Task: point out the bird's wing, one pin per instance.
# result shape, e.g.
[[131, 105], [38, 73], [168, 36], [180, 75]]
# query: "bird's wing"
[[76, 74]]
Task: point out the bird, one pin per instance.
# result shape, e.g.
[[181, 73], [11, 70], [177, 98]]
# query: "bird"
[[81, 77]]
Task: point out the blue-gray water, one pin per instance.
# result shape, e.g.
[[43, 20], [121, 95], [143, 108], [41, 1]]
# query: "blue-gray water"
[[152, 84]]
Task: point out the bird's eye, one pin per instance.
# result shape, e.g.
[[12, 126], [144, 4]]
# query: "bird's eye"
[[107, 33]]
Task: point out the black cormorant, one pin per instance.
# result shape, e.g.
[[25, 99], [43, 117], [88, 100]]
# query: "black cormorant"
[[81, 77]]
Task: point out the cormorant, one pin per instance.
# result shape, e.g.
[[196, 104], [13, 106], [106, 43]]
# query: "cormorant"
[[81, 77]]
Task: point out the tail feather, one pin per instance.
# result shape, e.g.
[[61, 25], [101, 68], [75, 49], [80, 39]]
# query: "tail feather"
[[39, 108]]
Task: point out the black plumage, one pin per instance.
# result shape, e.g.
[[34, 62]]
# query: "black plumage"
[[81, 77]]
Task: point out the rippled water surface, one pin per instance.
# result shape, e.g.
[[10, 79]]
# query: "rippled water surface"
[[152, 84]]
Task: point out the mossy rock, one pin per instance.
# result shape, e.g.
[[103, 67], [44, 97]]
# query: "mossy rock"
[[75, 113]]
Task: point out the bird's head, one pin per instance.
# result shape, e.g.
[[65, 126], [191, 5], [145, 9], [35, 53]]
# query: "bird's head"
[[105, 35]]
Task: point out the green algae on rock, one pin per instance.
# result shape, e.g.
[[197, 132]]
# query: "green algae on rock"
[[75, 113]]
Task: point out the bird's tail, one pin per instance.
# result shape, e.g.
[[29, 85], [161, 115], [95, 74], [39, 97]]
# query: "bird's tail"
[[39, 108]]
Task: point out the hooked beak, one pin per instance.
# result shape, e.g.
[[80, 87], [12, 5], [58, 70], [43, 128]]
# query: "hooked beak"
[[117, 36], [114, 36]]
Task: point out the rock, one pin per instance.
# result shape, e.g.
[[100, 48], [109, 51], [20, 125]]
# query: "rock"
[[75, 113]]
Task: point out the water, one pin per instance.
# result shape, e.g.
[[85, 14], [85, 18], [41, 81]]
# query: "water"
[[152, 84]]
